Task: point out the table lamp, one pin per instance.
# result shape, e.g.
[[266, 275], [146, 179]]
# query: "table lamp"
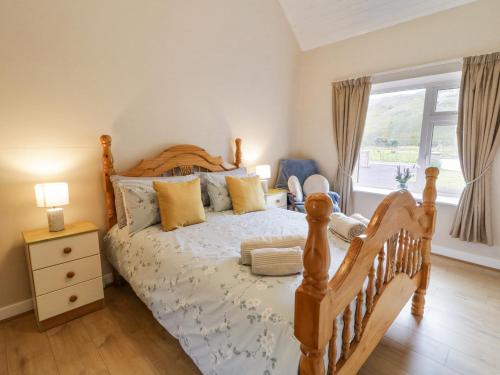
[[264, 173], [51, 196]]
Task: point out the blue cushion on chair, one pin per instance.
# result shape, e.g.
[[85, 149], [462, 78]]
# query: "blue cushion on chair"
[[335, 199], [302, 168]]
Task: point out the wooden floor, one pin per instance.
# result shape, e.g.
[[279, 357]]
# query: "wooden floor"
[[460, 334]]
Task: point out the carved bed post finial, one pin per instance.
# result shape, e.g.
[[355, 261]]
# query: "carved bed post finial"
[[429, 194], [317, 252], [237, 152], [429, 204], [314, 287], [107, 171]]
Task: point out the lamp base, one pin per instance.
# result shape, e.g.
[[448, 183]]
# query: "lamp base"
[[265, 186], [55, 217]]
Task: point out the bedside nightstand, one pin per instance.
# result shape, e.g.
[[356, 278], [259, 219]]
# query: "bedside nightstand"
[[276, 198], [65, 273]]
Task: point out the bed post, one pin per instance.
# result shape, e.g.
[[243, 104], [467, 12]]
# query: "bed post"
[[429, 200], [107, 171], [237, 152], [310, 307]]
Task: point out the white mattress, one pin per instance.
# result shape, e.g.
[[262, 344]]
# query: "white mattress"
[[226, 319]]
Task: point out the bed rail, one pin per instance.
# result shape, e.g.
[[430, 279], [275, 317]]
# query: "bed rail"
[[382, 269]]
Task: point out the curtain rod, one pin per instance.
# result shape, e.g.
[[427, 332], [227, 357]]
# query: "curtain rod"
[[378, 77], [418, 67]]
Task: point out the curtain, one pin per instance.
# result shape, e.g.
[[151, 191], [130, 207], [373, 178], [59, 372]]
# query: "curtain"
[[477, 133], [350, 103]]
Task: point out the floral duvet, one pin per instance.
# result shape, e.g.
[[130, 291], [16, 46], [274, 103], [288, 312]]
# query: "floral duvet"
[[226, 319]]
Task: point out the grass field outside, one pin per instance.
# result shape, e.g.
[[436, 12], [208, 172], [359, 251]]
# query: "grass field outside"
[[403, 154]]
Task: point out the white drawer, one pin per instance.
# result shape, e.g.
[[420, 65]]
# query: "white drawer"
[[66, 274], [60, 301], [49, 253], [276, 200]]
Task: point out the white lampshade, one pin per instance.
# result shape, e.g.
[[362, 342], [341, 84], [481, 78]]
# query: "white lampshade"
[[263, 171], [52, 194]]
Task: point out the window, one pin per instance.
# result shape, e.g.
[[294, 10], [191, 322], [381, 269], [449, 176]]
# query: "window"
[[412, 124]]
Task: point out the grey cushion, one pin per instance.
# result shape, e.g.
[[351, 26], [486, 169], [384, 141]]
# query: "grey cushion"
[[242, 171], [218, 193]]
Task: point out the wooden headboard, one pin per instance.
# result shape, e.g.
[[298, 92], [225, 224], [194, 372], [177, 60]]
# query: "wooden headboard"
[[174, 161]]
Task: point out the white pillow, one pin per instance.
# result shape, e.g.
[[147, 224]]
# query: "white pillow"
[[295, 188], [141, 207], [316, 184]]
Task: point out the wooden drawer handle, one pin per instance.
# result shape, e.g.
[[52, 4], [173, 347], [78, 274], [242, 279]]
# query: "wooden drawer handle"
[[73, 298], [67, 250], [70, 274]]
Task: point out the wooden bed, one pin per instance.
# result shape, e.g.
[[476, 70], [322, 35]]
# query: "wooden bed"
[[381, 271]]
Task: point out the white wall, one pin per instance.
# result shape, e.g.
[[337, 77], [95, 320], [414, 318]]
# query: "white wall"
[[468, 30], [151, 74]]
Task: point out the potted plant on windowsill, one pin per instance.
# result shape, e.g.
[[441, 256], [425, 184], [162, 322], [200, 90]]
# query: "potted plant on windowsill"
[[403, 175]]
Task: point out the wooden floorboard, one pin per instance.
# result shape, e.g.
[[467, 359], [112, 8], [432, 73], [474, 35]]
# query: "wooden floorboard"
[[28, 351], [74, 351], [459, 334], [3, 351]]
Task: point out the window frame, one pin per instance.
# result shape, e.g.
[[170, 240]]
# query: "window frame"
[[430, 119]]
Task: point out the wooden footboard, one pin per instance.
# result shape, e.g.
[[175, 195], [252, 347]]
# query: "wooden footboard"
[[382, 269]]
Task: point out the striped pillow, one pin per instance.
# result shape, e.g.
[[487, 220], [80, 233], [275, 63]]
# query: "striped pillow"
[[346, 227], [247, 246], [277, 262]]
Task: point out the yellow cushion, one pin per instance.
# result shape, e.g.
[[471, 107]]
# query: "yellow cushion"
[[246, 194], [180, 203]]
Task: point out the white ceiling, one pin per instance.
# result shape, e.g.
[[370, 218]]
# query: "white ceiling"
[[319, 22]]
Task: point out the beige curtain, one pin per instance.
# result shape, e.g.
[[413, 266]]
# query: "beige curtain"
[[350, 103], [477, 132]]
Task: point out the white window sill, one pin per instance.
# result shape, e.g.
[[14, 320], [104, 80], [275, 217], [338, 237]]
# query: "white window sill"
[[447, 200]]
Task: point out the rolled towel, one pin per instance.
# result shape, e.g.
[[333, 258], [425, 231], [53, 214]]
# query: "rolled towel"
[[250, 244], [277, 261], [361, 218], [345, 227]]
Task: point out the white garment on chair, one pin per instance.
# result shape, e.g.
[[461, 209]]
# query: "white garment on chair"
[[316, 184], [295, 188]]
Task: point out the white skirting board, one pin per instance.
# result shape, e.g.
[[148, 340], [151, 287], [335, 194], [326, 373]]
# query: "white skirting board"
[[466, 257], [18, 308]]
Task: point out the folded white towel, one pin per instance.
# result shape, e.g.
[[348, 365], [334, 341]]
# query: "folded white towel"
[[248, 245], [277, 261], [345, 227], [361, 218]]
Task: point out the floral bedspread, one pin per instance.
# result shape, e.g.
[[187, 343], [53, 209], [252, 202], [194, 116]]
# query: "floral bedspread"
[[226, 319]]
